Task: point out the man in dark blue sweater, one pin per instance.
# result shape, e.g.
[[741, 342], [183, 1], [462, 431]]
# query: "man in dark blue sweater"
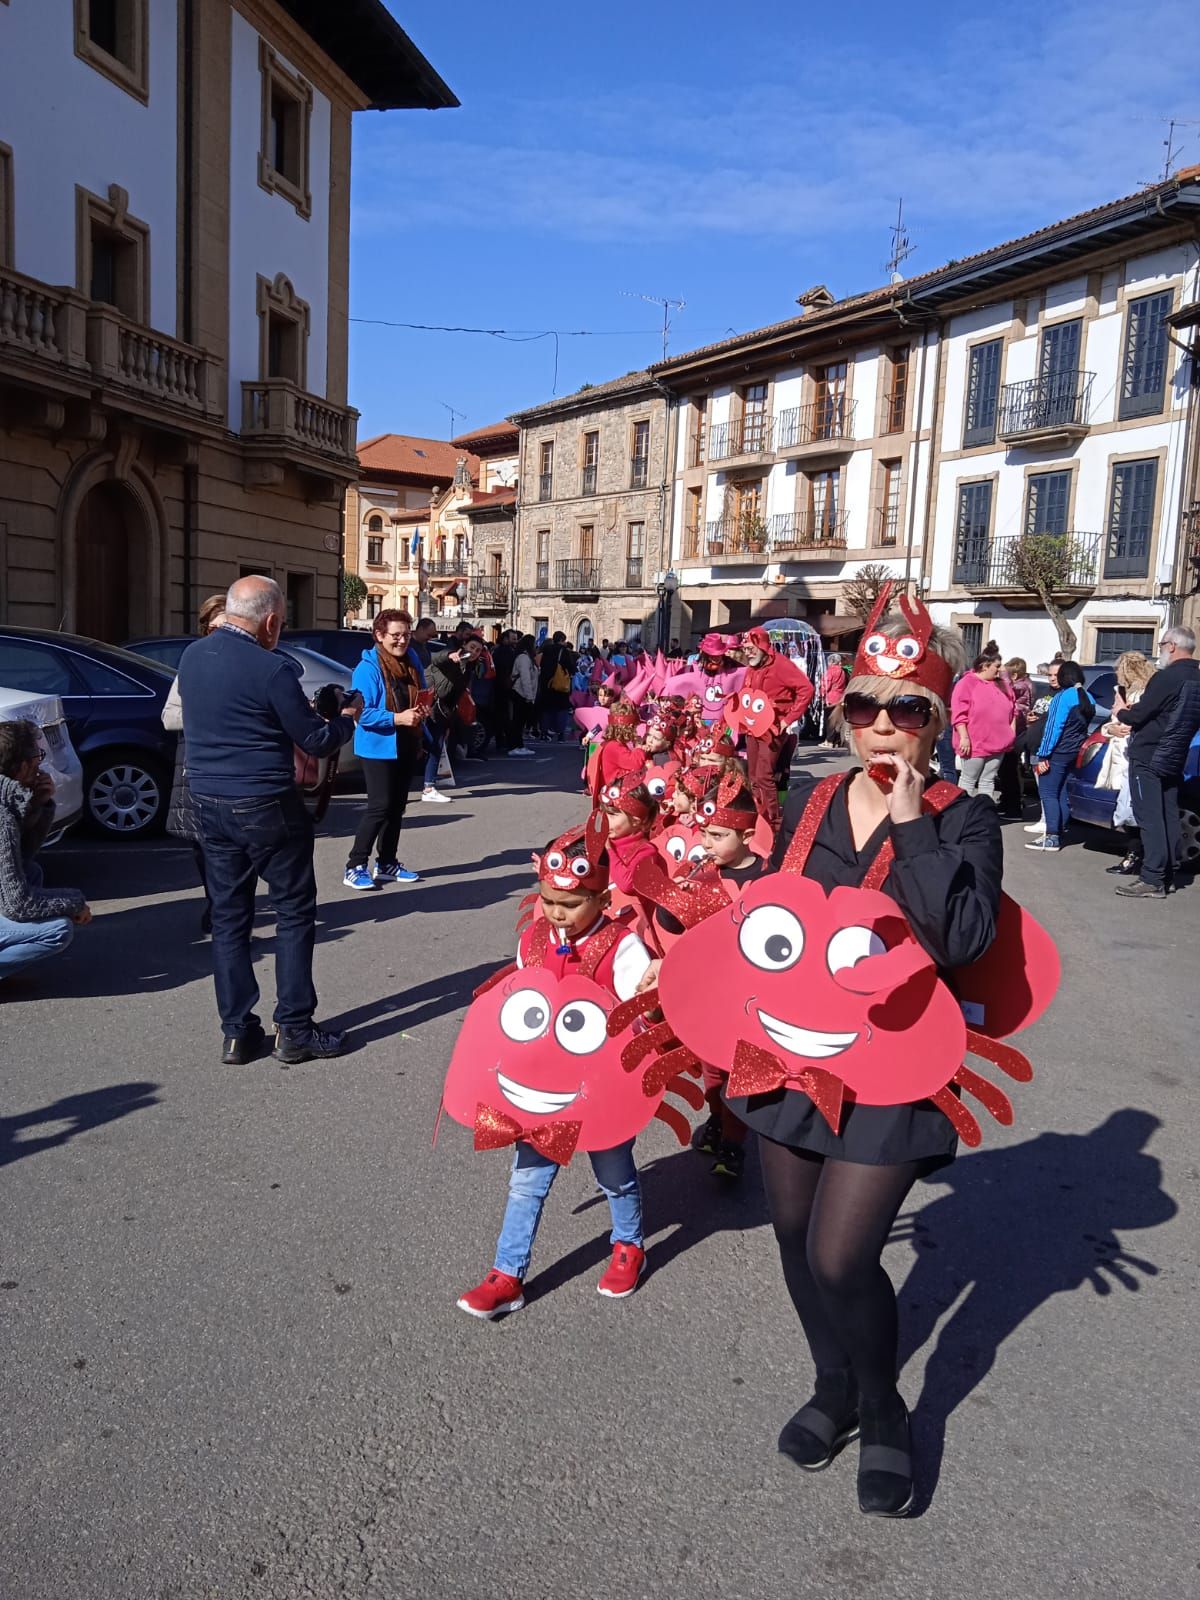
[[1164, 722], [243, 712]]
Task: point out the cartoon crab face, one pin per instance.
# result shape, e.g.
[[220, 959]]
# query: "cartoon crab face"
[[535, 1049], [751, 712], [681, 847], [897, 658], [833, 981]]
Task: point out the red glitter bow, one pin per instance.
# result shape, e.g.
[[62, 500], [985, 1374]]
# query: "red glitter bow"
[[757, 1071], [555, 1140]]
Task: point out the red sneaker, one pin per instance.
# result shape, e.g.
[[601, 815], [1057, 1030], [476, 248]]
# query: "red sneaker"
[[626, 1267], [497, 1294]]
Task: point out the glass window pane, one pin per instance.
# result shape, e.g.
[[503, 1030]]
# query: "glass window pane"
[[35, 668]]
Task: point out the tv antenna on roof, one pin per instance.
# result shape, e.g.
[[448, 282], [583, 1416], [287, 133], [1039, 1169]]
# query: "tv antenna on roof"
[[902, 245], [454, 412], [1172, 150], [667, 307]]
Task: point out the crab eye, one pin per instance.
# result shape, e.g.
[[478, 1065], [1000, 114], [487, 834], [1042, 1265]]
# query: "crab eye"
[[759, 705], [849, 946], [709, 809], [525, 1016], [876, 645], [554, 861], [908, 648], [657, 787], [581, 1027], [675, 848], [581, 866], [746, 702], [771, 938], [697, 853]]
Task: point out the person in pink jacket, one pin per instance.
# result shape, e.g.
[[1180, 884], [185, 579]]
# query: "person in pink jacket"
[[984, 718]]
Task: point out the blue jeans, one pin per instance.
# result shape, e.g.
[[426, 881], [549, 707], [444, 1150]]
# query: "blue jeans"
[[1052, 789], [435, 739], [530, 1182], [268, 837], [23, 942]]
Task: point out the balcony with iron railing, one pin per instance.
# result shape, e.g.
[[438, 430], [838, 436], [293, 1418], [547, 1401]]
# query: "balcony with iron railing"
[[489, 592], [578, 577], [743, 438], [798, 533], [693, 541], [1069, 563], [821, 428], [1047, 412], [736, 538], [452, 566], [887, 527]]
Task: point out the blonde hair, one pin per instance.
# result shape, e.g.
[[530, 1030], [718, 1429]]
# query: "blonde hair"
[[1133, 670], [1017, 667], [944, 642], [211, 608]]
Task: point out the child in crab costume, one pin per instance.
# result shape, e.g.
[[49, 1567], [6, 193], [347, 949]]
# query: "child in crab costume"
[[855, 977], [533, 1067], [618, 752], [787, 695]]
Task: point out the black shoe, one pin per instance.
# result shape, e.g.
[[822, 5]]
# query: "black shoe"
[[206, 919], [1129, 867], [821, 1429], [885, 1474], [240, 1049], [707, 1138], [1140, 890], [731, 1158], [293, 1045]]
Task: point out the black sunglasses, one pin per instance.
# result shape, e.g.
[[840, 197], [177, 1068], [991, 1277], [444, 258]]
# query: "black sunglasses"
[[907, 712]]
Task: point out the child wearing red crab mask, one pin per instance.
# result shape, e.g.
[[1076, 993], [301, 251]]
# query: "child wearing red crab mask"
[[573, 889]]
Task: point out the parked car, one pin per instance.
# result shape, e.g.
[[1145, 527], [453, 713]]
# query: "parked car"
[[344, 645], [113, 702], [315, 672], [1090, 804], [58, 753]]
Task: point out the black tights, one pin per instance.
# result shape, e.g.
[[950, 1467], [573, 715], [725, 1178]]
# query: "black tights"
[[832, 1220]]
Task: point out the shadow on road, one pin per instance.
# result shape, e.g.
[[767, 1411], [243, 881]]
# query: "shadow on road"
[[395, 1013], [78, 1111], [1018, 1226]]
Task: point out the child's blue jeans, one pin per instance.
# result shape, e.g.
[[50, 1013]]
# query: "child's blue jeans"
[[530, 1182]]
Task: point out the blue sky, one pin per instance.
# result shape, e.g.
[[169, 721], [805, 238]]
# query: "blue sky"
[[730, 155]]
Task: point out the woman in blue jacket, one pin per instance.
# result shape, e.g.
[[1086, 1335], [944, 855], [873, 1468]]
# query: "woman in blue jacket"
[[1067, 722], [388, 741]]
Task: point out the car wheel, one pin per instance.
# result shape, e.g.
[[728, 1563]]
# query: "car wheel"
[[125, 795], [1189, 849]]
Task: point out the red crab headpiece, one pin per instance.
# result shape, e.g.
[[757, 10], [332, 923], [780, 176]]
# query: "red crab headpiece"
[[661, 781], [620, 795], [729, 805], [561, 870], [622, 721], [908, 657], [715, 741]]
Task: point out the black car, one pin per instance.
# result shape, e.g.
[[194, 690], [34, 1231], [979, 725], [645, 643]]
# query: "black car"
[[345, 645], [113, 702]]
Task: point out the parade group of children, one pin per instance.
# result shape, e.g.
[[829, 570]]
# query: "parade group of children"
[[672, 805]]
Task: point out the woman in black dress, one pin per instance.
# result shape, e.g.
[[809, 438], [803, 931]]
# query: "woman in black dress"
[[834, 1197]]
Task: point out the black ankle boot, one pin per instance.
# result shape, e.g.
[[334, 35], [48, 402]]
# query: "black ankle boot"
[[824, 1426], [885, 1473]]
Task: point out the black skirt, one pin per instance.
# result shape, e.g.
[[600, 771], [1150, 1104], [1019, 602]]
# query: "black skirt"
[[946, 879]]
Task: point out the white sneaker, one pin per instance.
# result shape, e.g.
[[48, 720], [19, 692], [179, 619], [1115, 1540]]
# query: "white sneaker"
[[520, 751], [1036, 827], [433, 797]]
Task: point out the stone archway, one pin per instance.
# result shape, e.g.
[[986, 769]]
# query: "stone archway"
[[112, 539]]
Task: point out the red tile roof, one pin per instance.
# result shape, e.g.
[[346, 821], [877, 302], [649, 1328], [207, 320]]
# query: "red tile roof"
[[504, 496], [405, 455], [484, 436], [411, 514]]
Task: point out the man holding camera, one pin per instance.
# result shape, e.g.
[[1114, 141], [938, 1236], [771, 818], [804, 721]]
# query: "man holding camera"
[[244, 714]]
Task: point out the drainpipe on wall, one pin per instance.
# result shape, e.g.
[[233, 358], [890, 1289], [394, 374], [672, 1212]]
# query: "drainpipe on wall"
[[915, 467], [666, 495], [1190, 480], [191, 473], [930, 498]]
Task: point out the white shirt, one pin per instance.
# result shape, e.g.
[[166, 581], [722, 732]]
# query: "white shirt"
[[629, 962]]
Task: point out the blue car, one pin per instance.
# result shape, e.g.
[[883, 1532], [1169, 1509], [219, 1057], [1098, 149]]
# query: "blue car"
[[113, 704], [1090, 804]]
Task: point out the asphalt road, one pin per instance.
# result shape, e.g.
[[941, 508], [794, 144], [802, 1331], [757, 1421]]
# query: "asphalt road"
[[232, 1366]]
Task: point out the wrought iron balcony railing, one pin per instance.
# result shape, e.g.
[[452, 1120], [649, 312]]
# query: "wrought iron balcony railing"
[[693, 537], [1059, 400], [448, 566], [578, 577], [1071, 561], [827, 421], [744, 436], [793, 531], [490, 592], [736, 536]]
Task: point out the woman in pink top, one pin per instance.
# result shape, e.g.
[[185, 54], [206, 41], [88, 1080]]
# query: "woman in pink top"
[[984, 718]]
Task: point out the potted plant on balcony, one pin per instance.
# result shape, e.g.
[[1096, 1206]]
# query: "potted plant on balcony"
[[752, 533]]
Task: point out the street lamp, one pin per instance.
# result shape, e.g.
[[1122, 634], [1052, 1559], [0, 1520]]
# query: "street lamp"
[[667, 587]]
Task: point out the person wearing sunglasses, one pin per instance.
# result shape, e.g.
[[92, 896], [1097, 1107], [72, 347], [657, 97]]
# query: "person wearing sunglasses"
[[833, 1197]]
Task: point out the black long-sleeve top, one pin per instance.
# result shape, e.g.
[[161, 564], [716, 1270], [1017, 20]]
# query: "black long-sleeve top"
[[946, 878]]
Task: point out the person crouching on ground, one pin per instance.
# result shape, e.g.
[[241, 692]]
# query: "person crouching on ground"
[[574, 915], [388, 742], [33, 922]]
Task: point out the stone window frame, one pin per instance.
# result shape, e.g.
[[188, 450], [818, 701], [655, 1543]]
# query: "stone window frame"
[[278, 297], [133, 75], [112, 215], [7, 231], [296, 88]]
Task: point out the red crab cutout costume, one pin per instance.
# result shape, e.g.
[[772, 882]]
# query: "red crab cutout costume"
[[830, 994], [752, 712]]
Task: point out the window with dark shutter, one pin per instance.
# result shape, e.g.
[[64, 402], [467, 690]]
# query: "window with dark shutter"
[[972, 530], [1048, 497], [1144, 374], [1131, 519], [983, 391]]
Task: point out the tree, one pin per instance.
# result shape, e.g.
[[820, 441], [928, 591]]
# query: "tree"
[[354, 593], [1045, 564], [865, 587]]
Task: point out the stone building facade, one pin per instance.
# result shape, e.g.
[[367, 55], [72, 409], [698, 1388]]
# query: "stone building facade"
[[593, 515], [174, 282]]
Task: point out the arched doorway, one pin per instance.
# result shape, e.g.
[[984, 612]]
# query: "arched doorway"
[[584, 634], [110, 564]]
